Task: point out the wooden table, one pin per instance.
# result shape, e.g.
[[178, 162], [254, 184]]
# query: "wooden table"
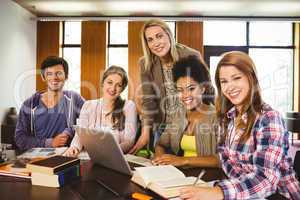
[[87, 187]]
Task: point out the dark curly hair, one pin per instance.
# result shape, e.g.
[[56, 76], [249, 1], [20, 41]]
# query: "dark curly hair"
[[191, 66]]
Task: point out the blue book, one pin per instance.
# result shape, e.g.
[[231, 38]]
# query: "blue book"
[[57, 180]]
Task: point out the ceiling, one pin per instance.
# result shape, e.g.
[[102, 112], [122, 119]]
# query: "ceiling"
[[163, 8]]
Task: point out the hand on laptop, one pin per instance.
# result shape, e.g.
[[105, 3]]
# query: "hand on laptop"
[[71, 152]]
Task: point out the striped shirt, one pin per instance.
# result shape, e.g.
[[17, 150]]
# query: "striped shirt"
[[259, 167]]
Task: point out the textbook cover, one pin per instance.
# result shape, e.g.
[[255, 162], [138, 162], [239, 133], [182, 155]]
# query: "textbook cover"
[[52, 164]]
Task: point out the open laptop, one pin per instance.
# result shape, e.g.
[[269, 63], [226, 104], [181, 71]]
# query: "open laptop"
[[103, 149]]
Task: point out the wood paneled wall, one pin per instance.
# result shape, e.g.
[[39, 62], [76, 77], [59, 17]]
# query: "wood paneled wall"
[[94, 51], [190, 34], [135, 51], [47, 45], [93, 57]]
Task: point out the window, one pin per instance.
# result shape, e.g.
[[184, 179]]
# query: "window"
[[269, 44], [172, 26], [118, 46], [71, 51], [230, 33], [270, 33]]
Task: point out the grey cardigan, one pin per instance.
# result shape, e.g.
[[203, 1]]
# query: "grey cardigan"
[[154, 90], [206, 133]]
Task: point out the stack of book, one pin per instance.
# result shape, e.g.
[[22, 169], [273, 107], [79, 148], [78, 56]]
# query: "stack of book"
[[54, 171]]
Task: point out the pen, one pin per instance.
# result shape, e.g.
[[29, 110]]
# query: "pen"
[[201, 174], [108, 188], [140, 196]]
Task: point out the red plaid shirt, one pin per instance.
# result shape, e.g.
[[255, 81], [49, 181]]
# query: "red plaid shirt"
[[259, 167]]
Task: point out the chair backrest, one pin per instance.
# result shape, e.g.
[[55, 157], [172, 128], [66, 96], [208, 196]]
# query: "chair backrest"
[[297, 164], [292, 114], [292, 124]]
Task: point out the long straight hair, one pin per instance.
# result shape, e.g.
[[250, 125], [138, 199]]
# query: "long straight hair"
[[253, 103], [118, 117], [148, 55]]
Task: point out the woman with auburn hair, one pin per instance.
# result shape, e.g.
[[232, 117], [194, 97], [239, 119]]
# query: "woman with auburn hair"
[[110, 112], [159, 101], [254, 145]]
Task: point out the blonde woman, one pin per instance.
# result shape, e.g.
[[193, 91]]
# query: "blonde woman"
[[109, 112], [159, 101]]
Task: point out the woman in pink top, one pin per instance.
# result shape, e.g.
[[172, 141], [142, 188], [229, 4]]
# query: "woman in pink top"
[[110, 112]]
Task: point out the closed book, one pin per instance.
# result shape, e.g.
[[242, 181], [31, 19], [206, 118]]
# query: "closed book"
[[52, 165], [164, 180], [57, 180]]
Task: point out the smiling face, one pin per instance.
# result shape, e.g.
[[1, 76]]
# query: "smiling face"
[[234, 85], [112, 86], [190, 92], [55, 78], [158, 41]]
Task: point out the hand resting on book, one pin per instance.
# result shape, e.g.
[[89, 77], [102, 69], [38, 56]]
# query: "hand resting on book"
[[203, 193], [71, 152]]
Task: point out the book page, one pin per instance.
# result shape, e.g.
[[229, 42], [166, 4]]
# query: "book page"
[[42, 152], [138, 160], [159, 173], [187, 181], [170, 188], [83, 155]]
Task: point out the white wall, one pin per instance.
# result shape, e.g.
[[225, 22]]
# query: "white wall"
[[17, 55]]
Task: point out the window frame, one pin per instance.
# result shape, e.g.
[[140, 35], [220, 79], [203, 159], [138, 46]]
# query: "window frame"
[[109, 45], [213, 49], [217, 50], [64, 45]]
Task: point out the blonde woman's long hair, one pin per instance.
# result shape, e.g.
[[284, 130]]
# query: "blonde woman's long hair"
[[253, 102], [148, 55]]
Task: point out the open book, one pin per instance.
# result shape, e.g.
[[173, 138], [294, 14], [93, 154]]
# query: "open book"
[[42, 152], [164, 180]]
